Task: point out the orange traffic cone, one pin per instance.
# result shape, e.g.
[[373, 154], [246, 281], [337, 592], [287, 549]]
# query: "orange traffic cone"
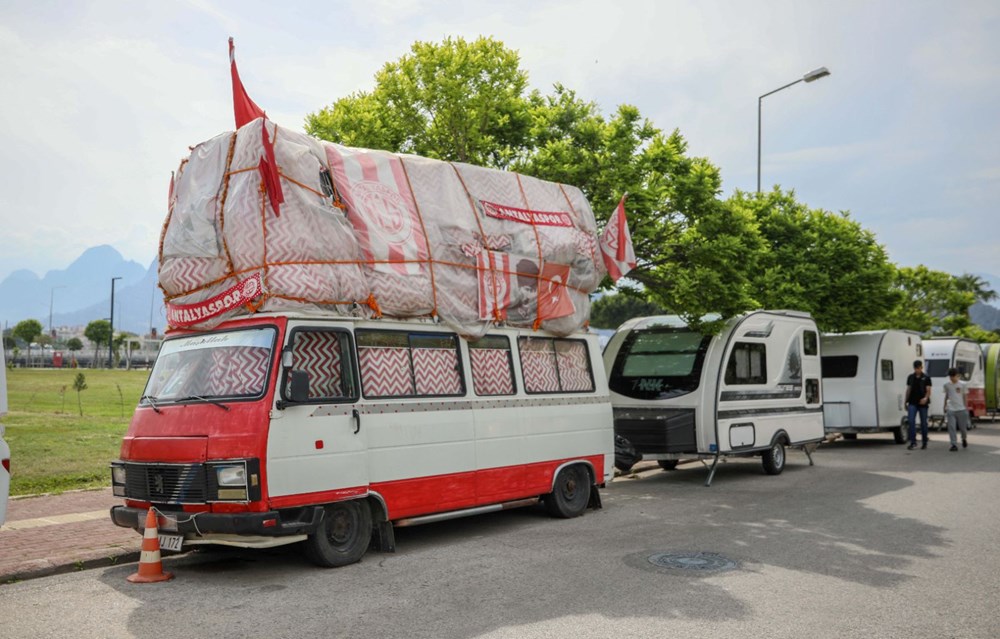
[[150, 568]]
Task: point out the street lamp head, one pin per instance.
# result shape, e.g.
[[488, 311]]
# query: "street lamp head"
[[816, 74]]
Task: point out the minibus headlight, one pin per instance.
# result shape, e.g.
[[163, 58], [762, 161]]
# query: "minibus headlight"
[[118, 480], [231, 475]]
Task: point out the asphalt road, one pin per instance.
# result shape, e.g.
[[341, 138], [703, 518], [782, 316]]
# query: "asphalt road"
[[873, 541]]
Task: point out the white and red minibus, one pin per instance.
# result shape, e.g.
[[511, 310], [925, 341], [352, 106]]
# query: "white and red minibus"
[[279, 428]]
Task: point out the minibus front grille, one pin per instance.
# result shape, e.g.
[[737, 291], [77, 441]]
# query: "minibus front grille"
[[166, 483]]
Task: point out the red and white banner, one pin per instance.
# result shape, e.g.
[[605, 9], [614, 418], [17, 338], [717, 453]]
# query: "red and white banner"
[[616, 244], [380, 207], [526, 216], [553, 297], [494, 284], [181, 315]]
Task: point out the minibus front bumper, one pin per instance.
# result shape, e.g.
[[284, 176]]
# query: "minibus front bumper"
[[272, 523]]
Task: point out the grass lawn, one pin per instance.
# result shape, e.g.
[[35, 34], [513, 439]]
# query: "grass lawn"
[[52, 447]]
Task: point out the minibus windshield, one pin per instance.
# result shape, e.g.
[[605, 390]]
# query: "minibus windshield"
[[210, 366], [659, 363]]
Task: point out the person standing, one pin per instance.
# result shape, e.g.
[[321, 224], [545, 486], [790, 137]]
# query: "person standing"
[[918, 397], [955, 407]]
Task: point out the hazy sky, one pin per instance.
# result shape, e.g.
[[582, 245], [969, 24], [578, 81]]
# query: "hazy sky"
[[100, 100]]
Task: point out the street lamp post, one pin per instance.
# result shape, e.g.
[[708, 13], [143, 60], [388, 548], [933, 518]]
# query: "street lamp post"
[[52, 292], [111, 337], [821, 72]]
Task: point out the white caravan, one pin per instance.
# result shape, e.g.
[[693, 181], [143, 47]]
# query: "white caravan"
[[942, 353], [864, 381], [750, 390], [284, 427]]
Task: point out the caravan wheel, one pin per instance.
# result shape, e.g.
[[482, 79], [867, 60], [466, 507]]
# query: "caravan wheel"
[[667, 464], [774, 459], [900, 434], [343, 536]]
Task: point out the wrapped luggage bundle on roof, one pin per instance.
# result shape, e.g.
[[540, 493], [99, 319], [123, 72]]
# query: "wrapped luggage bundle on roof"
[[268, 219]]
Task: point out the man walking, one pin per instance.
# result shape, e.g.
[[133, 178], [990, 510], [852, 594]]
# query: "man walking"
[[918, 396], [955, 392]]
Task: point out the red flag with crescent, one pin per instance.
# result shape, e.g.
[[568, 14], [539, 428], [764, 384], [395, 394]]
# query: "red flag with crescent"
[[245, 109], [616, 244]]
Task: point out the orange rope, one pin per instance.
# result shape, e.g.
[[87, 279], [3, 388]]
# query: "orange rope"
[[222, 206], [482, 235], [423, 228], [538, 244]]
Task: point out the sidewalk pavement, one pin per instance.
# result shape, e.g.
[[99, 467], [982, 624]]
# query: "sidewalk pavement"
[[50, 534]]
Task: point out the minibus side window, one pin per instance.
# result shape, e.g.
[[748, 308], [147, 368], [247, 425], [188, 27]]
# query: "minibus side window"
[[555, 365], [492, 366], [401, 364], [324, 355]]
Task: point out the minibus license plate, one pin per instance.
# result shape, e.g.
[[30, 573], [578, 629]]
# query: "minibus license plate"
[[171, 542]]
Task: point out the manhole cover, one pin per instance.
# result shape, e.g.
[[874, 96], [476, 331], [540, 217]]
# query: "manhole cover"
[[697, 561]]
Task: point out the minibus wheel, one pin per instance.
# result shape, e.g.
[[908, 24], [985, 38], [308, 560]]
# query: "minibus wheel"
[[570, 493], [774, 459], [343, 536], [667, 464]]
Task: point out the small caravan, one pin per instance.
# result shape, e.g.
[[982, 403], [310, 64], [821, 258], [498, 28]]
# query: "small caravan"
[[864, 381], [752, 389], [991, 356], [942, 353]]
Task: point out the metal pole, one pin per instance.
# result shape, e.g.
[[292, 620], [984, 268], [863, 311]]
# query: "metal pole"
[[760, 101], [111, 337], [52, 292]]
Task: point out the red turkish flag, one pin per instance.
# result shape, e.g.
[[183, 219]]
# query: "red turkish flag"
[[494, 284], [245, 109], [616, 244], [553, 298]]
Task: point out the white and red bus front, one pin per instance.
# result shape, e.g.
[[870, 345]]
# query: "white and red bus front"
[[195, 449]]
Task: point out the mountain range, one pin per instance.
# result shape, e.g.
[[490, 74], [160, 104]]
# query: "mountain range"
[[81, 293]]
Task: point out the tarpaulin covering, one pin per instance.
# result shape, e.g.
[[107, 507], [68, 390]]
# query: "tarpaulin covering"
[[369, 233]]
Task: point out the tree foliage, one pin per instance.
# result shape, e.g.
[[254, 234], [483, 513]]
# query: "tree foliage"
[[28, 330], [937, 303], [817, 261], [74, 344], [611, 311]]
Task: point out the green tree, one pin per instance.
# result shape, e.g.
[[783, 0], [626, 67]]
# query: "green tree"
[[611, 311], [937, 303], [99, 333], [79, 385], [457, 100], [817, 261], [28, 330], [74, 344]]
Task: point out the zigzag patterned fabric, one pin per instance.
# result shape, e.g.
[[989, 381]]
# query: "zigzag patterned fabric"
[[367, 233], [238, 371], [491, 373], [318, 353], [385, 371]]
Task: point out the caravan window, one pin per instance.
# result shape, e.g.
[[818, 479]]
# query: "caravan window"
[[325, 356], [747, 364], [965, 368], [839, 366], [887, 372], [937, 367], [812, 391], [659, 363], [810, 343], [400, 364]]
